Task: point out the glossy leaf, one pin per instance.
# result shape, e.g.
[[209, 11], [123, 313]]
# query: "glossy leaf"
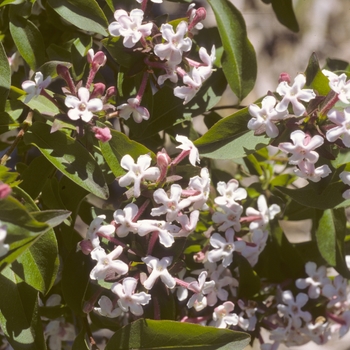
[[84, 14], [19, 315], [50, 68], [230, 138], [249, 282], [42, 104], [285, 14], [308, 197], [29, 41], [68, 156], [330, 235], [238, 60], [151, 334], [5, 78], [315, 79], [120, 145]]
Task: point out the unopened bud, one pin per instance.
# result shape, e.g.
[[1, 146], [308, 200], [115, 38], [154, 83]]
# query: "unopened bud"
[[5, 190], [199, 16], [98, 58], [99, 89], [284, 77], [111, 91], [102, 134], [163, 159], [85, 246]]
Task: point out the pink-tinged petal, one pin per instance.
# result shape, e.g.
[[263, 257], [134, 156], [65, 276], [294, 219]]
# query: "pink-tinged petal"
[[114, 29], [131, 39], [72, 101], [283, 105], [167, 32], [217, 241], [162, 50], [334, 133], [298, 137], [137, 16], [115, 253], [306, 95], [119, 266], [146, 29], [315, 142], [129, 285], [86, 116], [136, 309], [84, 94], [283, 88], [119, 13], [271, 130], [298, 108], [95, 105]]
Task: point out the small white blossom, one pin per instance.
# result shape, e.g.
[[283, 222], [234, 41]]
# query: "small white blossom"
[[336, 292], [200, 184], [206, 69], [224, 247], [107, 308], [230, 217], [175, 44], [200, 288], [133, 108], [266, 116], [342, 129], [137, 172], [106, 263], [222, 316], [58, 331], [124, 220], [159, 269], [230, 193], [308, 171], [171, 206], [264, 214], [97, 226], [193, 83], [128, 299], [292, 94], [187, 145], [339, 84], [82, 107], [130, 27], [302, 147], [33, 89], [316, 280]]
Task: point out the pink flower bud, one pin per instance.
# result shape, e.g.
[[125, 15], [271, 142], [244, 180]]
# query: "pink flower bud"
[[199, 16], [163, 159], [99, 89], [85, 246], [284, 77], [5, 190], [111, 91], [98, 58], [102, 134]]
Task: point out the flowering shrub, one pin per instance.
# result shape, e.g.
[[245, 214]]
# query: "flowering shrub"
[[127, 224]]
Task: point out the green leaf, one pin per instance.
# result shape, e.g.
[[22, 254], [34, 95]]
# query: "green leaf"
[[28, 41], [5, 78], [330, 236], [19, 315], [249, 282], [75, 280], [50, 68], [51, 217], [308, 197], [315, 79], [239, 60], [84, 14], [80, 342], [42, 104], [151, 334], [230, 138], [117, 147], [285, 14], [6, 122], [68, 156]]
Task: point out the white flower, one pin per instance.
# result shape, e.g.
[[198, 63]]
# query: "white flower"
[[97, 226], [133, 107], [130, 27], [302, 148], [33, 89], [128, 299], [58, 331], [267, 115], [165, 230], [171, 74], [187, 145], [264, 214], [137, 172], [193, 83], [107, 308], [230, 193], [308, 171], [15, 61], [159, 269], [4, 248], [176, 43], [206, 69], [339, 84], [124, 219], [198, 300], [342, 120], [316, 280], [292, 94], [222, 316], [106, 263], [188, 223], [230, 217], [336, 291], [82, 107], [201, 184], [171, 205], [292, 308], [224, 248]]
